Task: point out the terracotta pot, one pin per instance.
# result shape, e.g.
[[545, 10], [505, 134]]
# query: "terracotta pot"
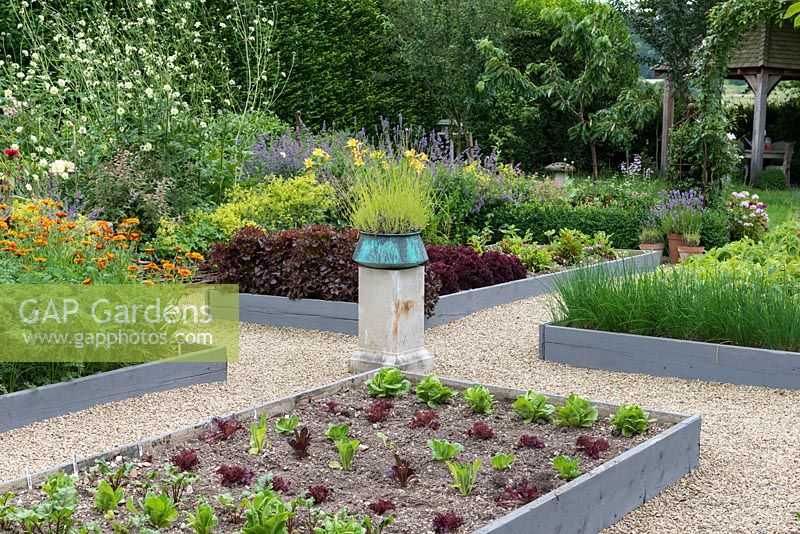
[[684, 251], [653, 246], [675, 241]]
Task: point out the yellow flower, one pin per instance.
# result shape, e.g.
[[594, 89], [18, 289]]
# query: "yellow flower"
[[410, 153], [195, 256], [359, 161], [148, 282], [40, 260], [87, 281], [308, 163], [318, 152], [352, 143]]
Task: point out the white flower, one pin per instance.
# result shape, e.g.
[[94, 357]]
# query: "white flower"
[[81, 153], [148, 3], [15, 146], [744, 204], [7, 93], [82, 130], [34, 138], [731, 136], [173, 111], [120, 111], [53, 90], [149, 92], [755, 197], [28, 187], [168, 88], [147, 147], [48, 151], [62, 167], [62, 83], [19, 129], [203, 124]]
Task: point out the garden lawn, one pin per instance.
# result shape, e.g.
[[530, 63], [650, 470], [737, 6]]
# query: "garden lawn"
[[780, 204], [746, 481]]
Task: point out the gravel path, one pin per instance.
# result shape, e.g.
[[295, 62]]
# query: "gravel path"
[[750, 459]]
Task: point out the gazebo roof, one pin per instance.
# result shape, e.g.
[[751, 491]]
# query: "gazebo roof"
[[772, 47]]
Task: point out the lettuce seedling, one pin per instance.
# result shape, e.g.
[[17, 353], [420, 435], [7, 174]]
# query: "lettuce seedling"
[[235, 475], [379, 410], [286, 424], [480, 400], [519, 494], [465, 475], [567, 467], [300, 442], [380, 507], [592, 447], [424, 418], [107, 499], [402, 472], [337, 432], [502, 461], [533, 407], [221, 429], [526, 441], [319, 493], [444, 450], [631, 420], [114, 476], [176, 482], [185, 460], [576, 412], [447, 523], [347, 450], [480, 430], [203, 520], [159, 510], [388, 382], [258, 436], [431, 391]]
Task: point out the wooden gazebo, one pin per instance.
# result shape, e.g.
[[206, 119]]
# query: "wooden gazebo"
[[767, 55]]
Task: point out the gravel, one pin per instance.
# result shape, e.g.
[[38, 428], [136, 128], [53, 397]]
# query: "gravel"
[[750, 453]]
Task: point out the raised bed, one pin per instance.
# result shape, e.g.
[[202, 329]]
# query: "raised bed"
[[588, 504], [657, 356], [31, 405], [342, 317]]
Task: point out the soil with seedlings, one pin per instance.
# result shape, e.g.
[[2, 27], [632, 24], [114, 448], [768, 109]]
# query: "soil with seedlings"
[[430, 491]]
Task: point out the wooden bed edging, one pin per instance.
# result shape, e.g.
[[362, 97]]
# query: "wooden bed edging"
[[342, 317], [31, 405], [693, 360], [587, 505]]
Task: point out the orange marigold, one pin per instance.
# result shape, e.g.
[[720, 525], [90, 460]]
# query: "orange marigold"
[[184, 272], [61, 214], [168, 266], [133, 268], [195, 256], [40, 260], [148, 282], [87, 281]]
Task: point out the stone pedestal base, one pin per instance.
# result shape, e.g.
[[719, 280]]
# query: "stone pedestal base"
[[391, 320]]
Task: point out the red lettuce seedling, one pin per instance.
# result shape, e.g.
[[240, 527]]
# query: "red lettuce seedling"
[[319, 493], [401, 471], [521, 493], [300, 442], [379, 410], [235, 475], [423, 419], [526, 441], [448, 522], [480, 430], [331, 406], [185, 460], [221, 429], [281, 484], [592, 447], [381, 506]]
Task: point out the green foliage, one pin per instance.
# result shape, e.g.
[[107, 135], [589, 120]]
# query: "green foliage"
[[391, 197], [258, 435], [566, 467], [388, 382], [343, 523], [792, 12], [266, 513], [336, 433], [444, 450], [176, 482], [603, 95], [437, 40], [502, 461], [576, 412], [715, 228], [203, 520], [465, 475], [287, 424], [532, 256], [54, 513], [106, 498], [630, 420], [742, 294], [158, 510], [533, 407], [431, 391], [480, 399], [347, 450], [702, 155], [115, 476], [772, 179]]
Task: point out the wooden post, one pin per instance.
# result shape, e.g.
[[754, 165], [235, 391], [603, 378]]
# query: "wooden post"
[[762, 84], [667, 120]]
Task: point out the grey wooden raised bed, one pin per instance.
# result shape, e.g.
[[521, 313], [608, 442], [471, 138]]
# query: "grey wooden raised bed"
[[669, 357], [342, 317], [587, 505], [31, 405]]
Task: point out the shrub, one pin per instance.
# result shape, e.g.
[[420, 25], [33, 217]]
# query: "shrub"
[[715, 229], [461, 268], [772, 178]]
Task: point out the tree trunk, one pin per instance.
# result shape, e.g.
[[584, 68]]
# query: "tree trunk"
[[595, 166]]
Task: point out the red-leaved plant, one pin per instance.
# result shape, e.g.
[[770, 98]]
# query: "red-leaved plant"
[[448, 522], [319, 493], [221, 429], [300, 442], [480, 430], [402, 472], [381, 507], [281, 484], [592, 447], [526, 441], [424, 419], [379, 410], [518, 494], [235, 475], [185, 460]]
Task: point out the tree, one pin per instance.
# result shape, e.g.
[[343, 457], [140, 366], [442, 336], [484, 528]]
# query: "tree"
[[603, 94], [793, 12], [673, 29], [437, 39]]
